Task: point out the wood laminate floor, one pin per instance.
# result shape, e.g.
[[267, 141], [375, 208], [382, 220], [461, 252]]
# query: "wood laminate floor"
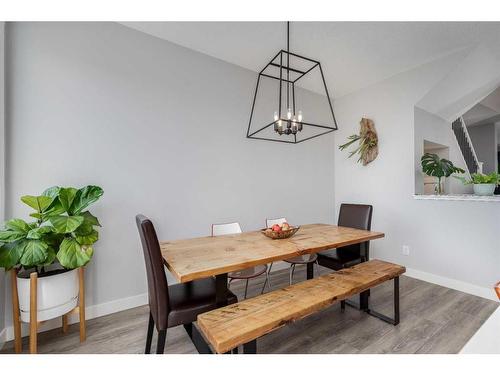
[[434, 319]]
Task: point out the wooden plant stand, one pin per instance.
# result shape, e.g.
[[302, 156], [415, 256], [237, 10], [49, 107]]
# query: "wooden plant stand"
[[34, 323]]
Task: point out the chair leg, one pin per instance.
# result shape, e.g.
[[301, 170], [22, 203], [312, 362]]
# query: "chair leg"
[[162, 336], [149, 337], [342, 305], [268, 280], [317, 267], [246, 289]]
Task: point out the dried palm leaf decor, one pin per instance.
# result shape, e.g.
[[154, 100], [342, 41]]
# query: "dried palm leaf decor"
[[368, 142]]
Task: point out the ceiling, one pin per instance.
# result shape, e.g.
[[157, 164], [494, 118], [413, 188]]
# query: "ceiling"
[[353, 54]]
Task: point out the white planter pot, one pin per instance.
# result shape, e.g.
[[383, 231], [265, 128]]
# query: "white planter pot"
[[56, 295], [484, 189]]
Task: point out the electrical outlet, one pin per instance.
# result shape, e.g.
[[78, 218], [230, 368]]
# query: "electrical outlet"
[[406, 250]]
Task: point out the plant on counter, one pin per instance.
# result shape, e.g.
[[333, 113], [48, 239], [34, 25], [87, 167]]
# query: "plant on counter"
[[434, 166], [64, 231], [484, 184]]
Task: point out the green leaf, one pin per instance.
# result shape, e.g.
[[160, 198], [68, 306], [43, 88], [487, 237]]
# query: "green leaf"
[[40, 204], [51, 192], [17, 225], [11, 236], [90, 219], [37, 233], [65, 224], [17, 229], [72, 255], [84, 197], [34, 253], [66, 197], [10, 254], [51, 256], [88, 239], [432, 165]]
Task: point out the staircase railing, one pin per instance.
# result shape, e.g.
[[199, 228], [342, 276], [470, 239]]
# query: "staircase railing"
[[465, 145]]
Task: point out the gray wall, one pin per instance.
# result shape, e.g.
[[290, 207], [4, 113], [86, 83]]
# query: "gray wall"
[[484, 139], [441, 235], [161, 128]]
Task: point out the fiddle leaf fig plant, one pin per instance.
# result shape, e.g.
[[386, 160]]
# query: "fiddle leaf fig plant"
[[64, 230], [433, 165]]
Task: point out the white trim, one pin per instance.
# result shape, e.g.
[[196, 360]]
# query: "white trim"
[[91, 312], [458, 197], [3, 337], [461, 286]]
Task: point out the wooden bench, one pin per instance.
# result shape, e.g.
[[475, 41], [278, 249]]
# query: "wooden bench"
[[242, 323]]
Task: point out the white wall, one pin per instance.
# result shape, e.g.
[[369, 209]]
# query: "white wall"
[[161, 128], [449, 240]]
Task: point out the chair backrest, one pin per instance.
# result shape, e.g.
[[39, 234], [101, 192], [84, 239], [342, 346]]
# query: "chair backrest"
[[357, 216], [271, 222], [228, 228], [157, 280]]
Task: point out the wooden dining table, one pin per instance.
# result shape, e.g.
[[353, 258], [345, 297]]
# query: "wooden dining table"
[[216, 256]]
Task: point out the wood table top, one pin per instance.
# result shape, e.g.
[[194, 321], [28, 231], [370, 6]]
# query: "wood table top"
[[197, 258]]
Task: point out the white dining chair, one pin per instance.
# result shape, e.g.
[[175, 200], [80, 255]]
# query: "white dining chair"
[[247, 273], [301, 259]]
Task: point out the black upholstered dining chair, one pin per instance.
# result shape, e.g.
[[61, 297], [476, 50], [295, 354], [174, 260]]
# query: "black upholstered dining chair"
[[357, 216], [173, 305]]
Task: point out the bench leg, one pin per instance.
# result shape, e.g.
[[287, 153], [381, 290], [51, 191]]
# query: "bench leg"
[[199, 342], [395, 320], [250, 347], [310, 271]]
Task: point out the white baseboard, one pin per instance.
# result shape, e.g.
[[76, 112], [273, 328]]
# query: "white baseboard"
[[3, 337], [90, 313], [461, 286]]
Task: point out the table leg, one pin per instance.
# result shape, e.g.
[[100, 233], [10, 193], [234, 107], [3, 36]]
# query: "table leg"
[[221, 289], [310, 271]]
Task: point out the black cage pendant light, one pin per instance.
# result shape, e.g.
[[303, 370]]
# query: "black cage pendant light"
[[289, 122]]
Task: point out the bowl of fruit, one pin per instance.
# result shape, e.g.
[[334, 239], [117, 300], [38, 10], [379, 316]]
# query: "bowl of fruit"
[[280, 231]]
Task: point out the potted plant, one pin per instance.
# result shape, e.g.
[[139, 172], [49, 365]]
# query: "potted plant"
[[434, 166], [483, 184], [54, 245]]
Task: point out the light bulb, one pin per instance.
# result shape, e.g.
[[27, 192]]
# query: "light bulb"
[[299, 117], [276, 117], [289, 114]]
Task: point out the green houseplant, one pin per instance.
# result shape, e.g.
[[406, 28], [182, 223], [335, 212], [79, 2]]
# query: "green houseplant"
[[483, 184], [433, 165], [62, 233]]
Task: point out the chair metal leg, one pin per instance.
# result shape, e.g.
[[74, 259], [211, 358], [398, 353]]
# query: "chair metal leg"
[[162, 336], [342, 306], [149, 337], [317, 267], [246, 289], [266, 282]]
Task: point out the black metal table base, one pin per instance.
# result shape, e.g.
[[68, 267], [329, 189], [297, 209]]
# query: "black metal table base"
[[364, 305], [203, 348]]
